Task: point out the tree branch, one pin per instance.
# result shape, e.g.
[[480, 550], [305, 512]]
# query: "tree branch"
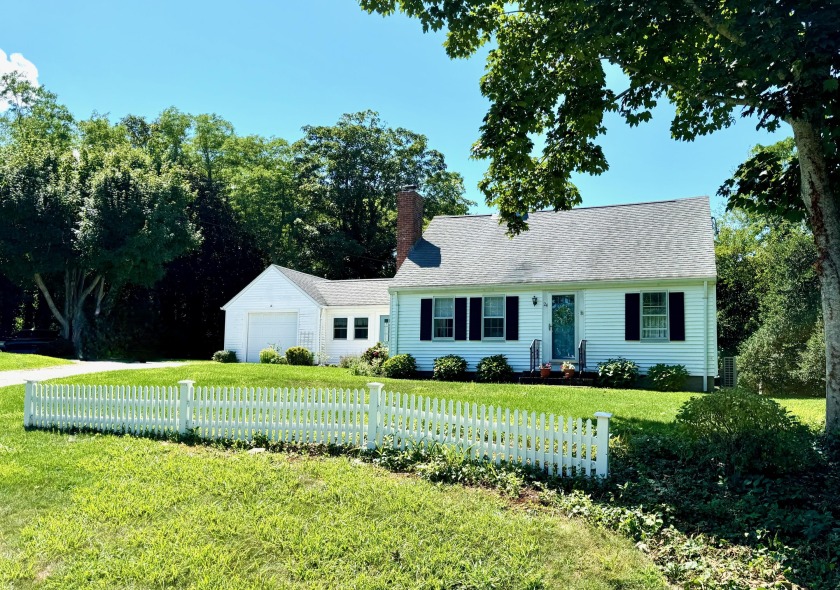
[[43, 287], [90, 288], [727, 100], [99, 297], [719, 28]]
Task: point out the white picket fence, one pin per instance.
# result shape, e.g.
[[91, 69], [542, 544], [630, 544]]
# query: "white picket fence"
[[558, 445]]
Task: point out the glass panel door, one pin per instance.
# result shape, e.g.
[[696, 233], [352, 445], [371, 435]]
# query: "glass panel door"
[[562, 327], [384, 329]]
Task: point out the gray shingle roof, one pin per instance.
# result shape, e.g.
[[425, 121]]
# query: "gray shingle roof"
[[657, 240], [344, 292]]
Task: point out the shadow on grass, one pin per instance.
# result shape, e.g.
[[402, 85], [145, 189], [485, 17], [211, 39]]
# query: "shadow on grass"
[[793, 517]]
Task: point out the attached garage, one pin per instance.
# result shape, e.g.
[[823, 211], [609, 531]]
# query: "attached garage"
[[268, 329], [286, 308]]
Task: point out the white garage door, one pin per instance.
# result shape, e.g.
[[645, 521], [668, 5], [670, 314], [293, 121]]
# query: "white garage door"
[[266, 329]]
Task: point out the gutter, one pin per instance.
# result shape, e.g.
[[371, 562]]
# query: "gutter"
[[574, 285]]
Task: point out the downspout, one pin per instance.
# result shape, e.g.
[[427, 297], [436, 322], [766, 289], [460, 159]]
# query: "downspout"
[[705, 335], [322, 350]]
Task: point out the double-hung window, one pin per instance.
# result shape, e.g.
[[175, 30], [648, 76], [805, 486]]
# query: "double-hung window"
[[339, 328], [655, 316], [494, 318], [360, 328], [443, 322]]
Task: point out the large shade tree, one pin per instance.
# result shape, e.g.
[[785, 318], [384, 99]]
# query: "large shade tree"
[[778, 61], [82, 212], [348, 176]]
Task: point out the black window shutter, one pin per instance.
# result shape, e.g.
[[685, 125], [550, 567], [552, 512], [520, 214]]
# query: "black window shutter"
[[676, 316], [460, 318], [512, 318], [475, 318], [632, 319], [425, 319]]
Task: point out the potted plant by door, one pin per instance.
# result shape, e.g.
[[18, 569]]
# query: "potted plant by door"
[[545, 370], [568, 369]]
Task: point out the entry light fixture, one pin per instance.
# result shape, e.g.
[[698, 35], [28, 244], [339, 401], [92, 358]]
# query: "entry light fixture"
[[534, 300]]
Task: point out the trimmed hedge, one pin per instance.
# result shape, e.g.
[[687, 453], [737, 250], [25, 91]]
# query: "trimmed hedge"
[[298, 355], [494, 369], [450, 368], [225, 356], [401, 366]]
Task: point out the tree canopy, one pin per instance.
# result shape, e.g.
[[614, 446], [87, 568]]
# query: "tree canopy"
[[134, 233], [349, 175], [776, 61], [545, 77]]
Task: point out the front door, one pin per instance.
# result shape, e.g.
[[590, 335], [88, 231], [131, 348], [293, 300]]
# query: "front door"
[[563, 327], [384, 329]]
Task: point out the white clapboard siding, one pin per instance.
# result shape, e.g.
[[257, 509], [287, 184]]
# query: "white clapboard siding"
[[558, 445]]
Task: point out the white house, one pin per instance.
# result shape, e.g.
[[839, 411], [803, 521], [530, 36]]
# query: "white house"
[[284, 307], [636, 281]]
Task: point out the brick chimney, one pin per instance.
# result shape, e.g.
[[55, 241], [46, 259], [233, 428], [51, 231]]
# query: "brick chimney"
[[409, 221]]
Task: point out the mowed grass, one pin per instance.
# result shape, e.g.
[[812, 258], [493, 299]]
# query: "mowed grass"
[[632, 409], [102, 511], [11, 361]]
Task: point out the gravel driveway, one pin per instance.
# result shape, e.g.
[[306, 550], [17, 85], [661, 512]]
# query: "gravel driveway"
[[77, 368]]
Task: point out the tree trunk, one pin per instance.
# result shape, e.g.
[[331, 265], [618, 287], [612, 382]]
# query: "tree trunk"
[[824, 214], [75, 294]]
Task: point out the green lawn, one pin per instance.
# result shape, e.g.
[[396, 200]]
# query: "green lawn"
[[631, 408], [121, 512], [10, 361], [110, 511]]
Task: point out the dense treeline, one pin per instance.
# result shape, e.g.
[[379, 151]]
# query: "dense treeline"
[[769, 311], [129, 235]]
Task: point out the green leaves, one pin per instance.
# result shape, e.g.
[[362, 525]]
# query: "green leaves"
[[348, 176], [713, 61]]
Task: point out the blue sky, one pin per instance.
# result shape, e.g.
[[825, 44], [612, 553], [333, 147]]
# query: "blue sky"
[[272, 67]]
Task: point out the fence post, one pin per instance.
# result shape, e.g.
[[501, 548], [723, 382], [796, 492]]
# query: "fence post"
[[375, 393], [602, 465], [28, 400], [185, 412]]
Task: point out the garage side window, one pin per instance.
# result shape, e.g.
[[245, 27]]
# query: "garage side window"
[[360, 327], [339, 328]]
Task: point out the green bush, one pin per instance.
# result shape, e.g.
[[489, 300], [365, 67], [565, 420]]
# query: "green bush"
[[269, 355], [450, 368], [746, 432], [225, 356], [378, 353], [401, 366], [811, 371], [345, 362], [618, 372], [366, 369], [777, 360], [298, 355], [494, 369], [664, 377]]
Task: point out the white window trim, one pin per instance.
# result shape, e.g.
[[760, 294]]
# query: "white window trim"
[[434, 317], [346, 328], [503, 316], [367, 328], [667, 337]]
